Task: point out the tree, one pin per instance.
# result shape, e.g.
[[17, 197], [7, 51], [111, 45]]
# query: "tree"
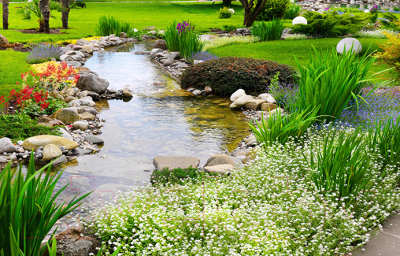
[[34, 8], [250, 13], [45, 10], [226, 1], [5, 14], [65, 13]]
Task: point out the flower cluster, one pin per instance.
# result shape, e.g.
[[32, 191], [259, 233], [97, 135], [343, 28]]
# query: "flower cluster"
[[379, 33], [204, 56], [52, 75], [374, 9], [184, 27], [295, 37], [3, 104], [223, 41], [43, 52], [27, 96]]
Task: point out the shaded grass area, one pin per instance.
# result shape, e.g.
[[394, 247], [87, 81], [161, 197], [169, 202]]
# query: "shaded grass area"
[[83, 21], [12, 64], [288, 51]]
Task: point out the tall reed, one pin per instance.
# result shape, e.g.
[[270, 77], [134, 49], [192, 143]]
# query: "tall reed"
[[330, 80], [172, 37], [108, 25], [268, 31], [28, 210]]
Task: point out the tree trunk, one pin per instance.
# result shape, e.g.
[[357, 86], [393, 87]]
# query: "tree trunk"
[[226, 1], [65, 13], [44, 7], [5, 14], [249, 14]]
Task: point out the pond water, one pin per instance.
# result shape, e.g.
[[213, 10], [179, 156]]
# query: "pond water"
[[161, 119]]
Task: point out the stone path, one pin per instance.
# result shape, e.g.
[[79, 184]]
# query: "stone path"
[[387, 241]]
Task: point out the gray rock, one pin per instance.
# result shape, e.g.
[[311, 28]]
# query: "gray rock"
[[167, 62], [91, 110], [111, 90], [181, 65], [82, 125], [173, 56], [196, 92], [65, 134], [51, 151], [219, 169], [6, 145], [172, 162], [241, 102], [74, 64], [60, 161], [127, 93], [68, 115], [161, 44], [154, 52], [94, 96], [92, 82], [219, 160], [236, 95], [94, 139], [4, 159], [74, 152]]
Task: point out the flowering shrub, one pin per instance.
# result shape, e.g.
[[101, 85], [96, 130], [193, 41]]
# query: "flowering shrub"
[[295, 37], [223, 41], [3, 104], [225, 13], [52, 75], [374, 9], [269, 207], [391, 50], [204, 56], [43, 52], [379, 33], [27, 96]]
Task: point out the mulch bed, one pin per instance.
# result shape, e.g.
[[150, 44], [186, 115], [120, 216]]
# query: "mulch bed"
[[35, 31], [17, 47]]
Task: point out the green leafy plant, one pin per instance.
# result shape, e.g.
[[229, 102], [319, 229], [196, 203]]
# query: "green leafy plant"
[[390, 21], [20, 127], [229, 28], [330, 80], [178, 176], [340, 165], [280, 128], [224, 13], [330, 24], [172, 37], [292, 11], [268, 31], [274, 9], [228, 74], [28, 210], [108, 25], [189, 41]]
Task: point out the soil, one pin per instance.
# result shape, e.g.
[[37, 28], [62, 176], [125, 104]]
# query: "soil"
[[217, 30], [19, 48], [35, 31]]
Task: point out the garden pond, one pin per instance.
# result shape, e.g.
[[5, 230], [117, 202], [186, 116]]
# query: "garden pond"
[[161, 119]]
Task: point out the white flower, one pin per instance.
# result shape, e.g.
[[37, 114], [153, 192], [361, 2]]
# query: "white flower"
[[231, 11]]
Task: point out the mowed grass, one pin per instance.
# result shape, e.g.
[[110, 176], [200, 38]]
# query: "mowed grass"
[[82, 22], [12, 64], [285, 51]]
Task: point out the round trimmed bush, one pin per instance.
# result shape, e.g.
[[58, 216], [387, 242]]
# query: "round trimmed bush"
[[228, 74]]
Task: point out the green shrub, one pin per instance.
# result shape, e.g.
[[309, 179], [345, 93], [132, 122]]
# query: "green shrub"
[[178, 176], [20, 127], [330, 80], [292, 11], [342, 166], [111, 25], [224, 13], [280, 128], [28, 209], [172, 37], [35, 110], [228, 74], [330, 24], [229, 28], [274, 9], [268, 31]]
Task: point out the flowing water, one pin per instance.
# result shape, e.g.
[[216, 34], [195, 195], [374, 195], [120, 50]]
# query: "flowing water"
[[161, 119]]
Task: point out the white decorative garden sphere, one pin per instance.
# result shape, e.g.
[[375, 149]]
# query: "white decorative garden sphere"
[[299, 20], [348, 43], [366, 11]]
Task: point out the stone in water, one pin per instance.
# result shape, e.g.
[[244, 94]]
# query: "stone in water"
[[347, 44], [299, 20]]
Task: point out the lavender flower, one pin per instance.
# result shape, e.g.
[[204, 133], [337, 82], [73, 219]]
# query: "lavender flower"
[[184, 27], [374, 9], [204, 56], [43, 52]]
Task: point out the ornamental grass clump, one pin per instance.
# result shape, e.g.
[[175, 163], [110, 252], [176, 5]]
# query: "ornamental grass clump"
[[329, 81], [43, 52], [28, 209], [268, 31], [108, 25]]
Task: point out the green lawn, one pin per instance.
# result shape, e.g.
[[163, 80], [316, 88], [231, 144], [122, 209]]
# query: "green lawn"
[[285, 51], [83, 21], [12, 64]]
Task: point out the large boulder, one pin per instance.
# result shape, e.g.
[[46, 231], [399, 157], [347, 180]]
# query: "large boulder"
[[236, 95], [219, 160], [51, 151], [161, 44], [6, 145], [219, 169], [254, 104], [91, 81], [33, 143], [68, 115], [241, 102], [154, 52], [172, 162], [81, 125], [3, 40]]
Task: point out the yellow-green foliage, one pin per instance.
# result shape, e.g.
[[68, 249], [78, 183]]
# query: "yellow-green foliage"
[[391, 50]]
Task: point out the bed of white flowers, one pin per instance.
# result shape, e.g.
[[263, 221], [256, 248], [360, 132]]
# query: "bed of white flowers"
[[222, 41], [295, 37], [268, 207], [375, 33]]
